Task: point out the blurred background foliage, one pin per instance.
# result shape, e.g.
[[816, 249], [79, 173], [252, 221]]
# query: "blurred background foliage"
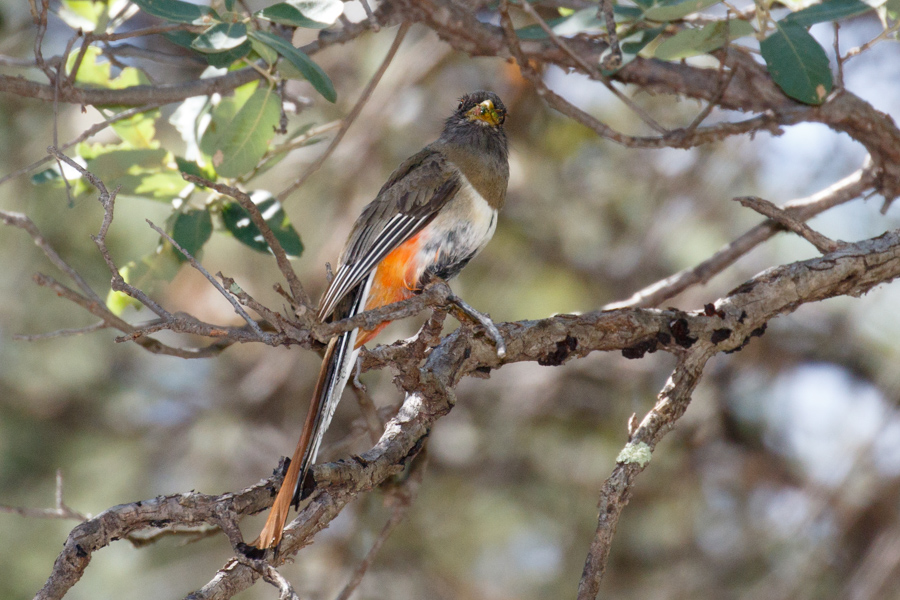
[[782, 481]]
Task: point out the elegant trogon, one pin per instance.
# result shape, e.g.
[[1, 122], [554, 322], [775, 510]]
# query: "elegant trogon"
[[437, 210]]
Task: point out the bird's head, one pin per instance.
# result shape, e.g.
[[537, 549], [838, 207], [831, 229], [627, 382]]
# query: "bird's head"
[[481, 108]]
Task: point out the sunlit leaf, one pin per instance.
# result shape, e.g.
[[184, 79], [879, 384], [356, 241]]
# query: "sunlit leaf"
[[246, 139], [147, 173], [140, 130], [797, 63], [672, 10], [177, 11], [830, 10], [220, 37], [238, 222], [693, 42], [92, 73], [191, 229], [310, 70], [84, 14], [312, 14]]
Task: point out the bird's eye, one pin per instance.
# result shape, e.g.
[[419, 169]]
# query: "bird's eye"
[[460, 105]]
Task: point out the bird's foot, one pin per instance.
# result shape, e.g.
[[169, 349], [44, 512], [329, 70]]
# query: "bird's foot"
[[483, 320]]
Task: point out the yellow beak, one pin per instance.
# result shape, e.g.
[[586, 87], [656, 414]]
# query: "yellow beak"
[[485, 112]]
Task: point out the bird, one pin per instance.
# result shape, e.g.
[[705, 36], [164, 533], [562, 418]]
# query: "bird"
[[436, 211]]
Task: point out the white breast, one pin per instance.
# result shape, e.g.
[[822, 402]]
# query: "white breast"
[[461, 230]]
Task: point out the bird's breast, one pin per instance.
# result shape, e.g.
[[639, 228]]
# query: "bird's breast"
[[462, 228]]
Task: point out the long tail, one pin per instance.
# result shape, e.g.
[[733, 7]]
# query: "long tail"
[[340, 357]]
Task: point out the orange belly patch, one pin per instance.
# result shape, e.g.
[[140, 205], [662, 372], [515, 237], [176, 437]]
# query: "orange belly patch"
[[394, 281]]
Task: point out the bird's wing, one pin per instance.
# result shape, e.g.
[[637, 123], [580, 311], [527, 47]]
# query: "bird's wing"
[[410, 199]]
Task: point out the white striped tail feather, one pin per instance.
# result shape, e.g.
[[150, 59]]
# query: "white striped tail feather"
[[337, 368]]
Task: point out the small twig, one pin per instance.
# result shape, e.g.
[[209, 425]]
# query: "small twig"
[[298, 142], [237, 307], [614, 60], [592, 70], [60, 511], [402, 499], [782, 217], [23, 222], [76, 66], [274, 318], [366, 407], [285, 589], [373, 20], [108, 201], [724, 82], [804, 208], [837, 55], [885, 34], [193, 535], [61, 332], [300, 298], [10, 61], [39, 41], [351, 116], [616, 491]]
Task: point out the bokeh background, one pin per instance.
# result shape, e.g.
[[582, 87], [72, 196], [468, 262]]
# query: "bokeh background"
[[782, 480]]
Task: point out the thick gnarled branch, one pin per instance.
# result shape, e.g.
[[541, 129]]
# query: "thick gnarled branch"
[[694, 337]]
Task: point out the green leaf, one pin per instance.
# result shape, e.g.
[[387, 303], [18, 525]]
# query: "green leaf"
[[693, 42], [223, 114], [536, 32], [628, 13], [238, 222], [892, 8], [145, 172], [797, 63], [315, 14], [241, 147], [672, 10], [85, 14], [192, 168], [220, 37], [139, 131], [229, 5], [265, 52], [647, 36], [145, 274], [177, 11], [310, 70], [191, 230], [225, 59], [830, 10], [181, 38]]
